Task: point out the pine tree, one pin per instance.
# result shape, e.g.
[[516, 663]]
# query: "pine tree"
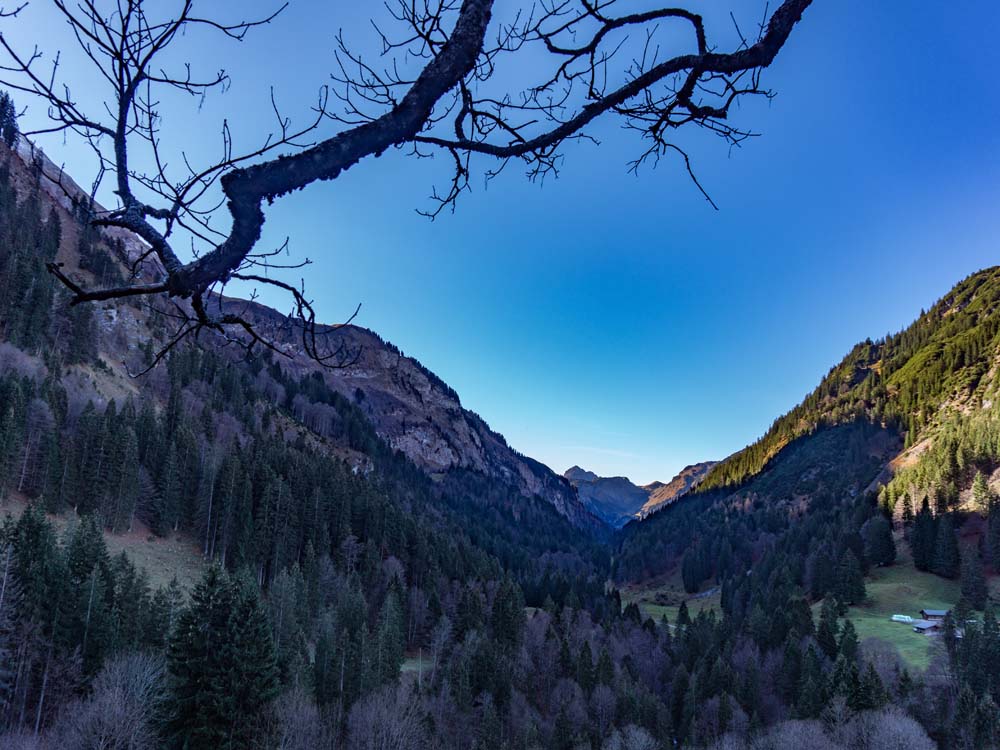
[[880, 549], [981, 494], [946, 557], [907, 509], [507, 617], [826, 633], [973, 582], [848, 644], [850, 583], [8, 120], [870, 693], [223, 671], [922, 537], [389, 640]]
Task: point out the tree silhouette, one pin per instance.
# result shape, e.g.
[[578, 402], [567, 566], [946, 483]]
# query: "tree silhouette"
[[435, 93]]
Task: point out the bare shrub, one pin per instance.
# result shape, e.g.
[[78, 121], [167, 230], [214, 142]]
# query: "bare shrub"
[[122, 710], [389, 719], [300, 727], [889, 729], [631, 738], [796, 735]]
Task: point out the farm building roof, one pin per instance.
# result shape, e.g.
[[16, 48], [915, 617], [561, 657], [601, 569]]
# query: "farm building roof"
[[935, 612]]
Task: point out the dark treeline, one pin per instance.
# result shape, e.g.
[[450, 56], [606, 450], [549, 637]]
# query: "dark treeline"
[[775, 557], [719, 535]]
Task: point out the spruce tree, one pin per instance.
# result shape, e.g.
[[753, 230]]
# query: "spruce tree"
[[196, 706], [826, 633], [946, 557], [870, 693], [922, 537], [222, 666], [973, 582], [166, 514], [907, 509], [880, 549], [683, 618], [981, 494], [848, 643], [850, 583], [8, 120], [563, 734], [389, 640], [950, 633], [252, 666], [507, 616]]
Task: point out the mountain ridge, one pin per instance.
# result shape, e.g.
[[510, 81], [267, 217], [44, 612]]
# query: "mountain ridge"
[[410, 407], [918, 419], [617, 500], [904, 379]]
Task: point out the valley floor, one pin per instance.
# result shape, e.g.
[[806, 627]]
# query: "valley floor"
[[904, 590], [897, 589]]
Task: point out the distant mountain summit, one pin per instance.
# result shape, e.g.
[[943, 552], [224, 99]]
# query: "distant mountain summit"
[[576, 474], [616, 500], [661, 494]]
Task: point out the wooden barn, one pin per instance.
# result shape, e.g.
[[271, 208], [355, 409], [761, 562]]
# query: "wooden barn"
[[934, 614]]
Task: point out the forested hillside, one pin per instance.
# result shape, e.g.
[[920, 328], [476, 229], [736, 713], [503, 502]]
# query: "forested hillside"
[[898, 445], [934, 384], [901, 381], [329, 554]]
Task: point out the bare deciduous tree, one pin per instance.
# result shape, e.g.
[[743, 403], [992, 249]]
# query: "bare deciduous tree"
[[389, 719], [122, 711], [438, 89], [300, 726], [631, 737]]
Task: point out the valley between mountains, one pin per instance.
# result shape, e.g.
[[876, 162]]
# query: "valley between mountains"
[[370, 551]]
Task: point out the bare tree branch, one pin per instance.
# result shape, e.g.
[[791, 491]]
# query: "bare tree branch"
[[435, 89]]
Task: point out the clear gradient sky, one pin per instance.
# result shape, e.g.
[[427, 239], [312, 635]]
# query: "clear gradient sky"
[[617, 321]]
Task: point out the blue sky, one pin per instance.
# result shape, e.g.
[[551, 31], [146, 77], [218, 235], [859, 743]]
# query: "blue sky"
[[617, 321]]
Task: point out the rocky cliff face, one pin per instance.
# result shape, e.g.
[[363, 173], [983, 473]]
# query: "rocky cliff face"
[[686, 480], [412, 409]]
